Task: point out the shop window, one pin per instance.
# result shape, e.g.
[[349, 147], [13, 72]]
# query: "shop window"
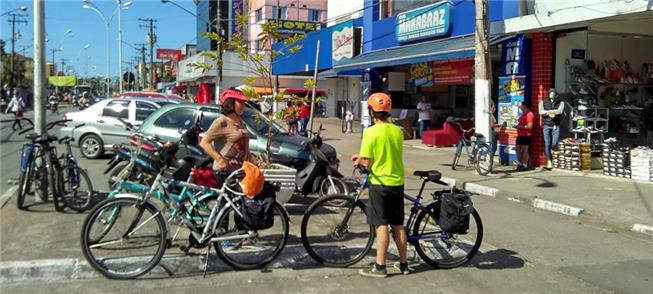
[[314, 15], [258, 14]]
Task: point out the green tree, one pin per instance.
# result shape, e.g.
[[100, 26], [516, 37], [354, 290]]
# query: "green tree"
[[259, 64]]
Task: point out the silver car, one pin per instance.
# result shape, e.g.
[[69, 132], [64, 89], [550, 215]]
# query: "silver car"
[[102, 129]]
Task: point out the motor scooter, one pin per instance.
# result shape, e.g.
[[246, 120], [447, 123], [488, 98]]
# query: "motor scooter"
[[54, 103], [321, 174]]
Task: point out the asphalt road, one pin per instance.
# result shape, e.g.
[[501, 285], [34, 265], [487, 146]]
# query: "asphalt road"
[[524, 251]]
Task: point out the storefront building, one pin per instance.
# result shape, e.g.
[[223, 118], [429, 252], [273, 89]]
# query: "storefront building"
[[599, 61]]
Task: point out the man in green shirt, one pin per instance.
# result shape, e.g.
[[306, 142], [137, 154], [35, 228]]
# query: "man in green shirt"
[[382, 152]]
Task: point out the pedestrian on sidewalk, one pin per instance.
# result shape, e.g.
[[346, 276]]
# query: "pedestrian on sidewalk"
[[304, 116], [349, 120], [17, 107], [494, 133], [291, 117], [382, 152], [424, 115], [524, 132], [551, 109]]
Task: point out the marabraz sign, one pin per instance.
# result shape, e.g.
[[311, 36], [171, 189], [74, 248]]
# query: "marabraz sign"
[[425, 22]]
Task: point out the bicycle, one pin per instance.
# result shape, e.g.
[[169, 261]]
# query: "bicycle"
[[71, 178], [210, 224], [479, 156], [346, 226], [39, 163]]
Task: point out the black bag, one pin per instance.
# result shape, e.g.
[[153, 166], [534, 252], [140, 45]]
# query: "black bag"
[[258, 212], [455, 209]]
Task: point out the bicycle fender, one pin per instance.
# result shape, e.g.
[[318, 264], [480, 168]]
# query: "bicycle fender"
[[27, 155]]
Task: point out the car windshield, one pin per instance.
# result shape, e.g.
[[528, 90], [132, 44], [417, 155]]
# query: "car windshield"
[[259, 122]]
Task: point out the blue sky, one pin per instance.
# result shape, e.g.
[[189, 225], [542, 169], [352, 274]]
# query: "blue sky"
[[175, 28]]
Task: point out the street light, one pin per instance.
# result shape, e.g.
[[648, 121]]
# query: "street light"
[[107, 22], [22, 8], [120, 6]]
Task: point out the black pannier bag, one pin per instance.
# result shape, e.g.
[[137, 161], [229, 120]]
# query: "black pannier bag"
[[258, 212], [455, 209]]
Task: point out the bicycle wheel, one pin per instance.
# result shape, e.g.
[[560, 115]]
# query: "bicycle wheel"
[[333, 187], [75, 188], [336, 236], [484, 160], [41, 179], [134, 244], [25, 184], [51, 171], [251, 252], [444, 250]]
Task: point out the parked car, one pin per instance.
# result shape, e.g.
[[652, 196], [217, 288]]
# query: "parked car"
[[102, 128], [286, 149]]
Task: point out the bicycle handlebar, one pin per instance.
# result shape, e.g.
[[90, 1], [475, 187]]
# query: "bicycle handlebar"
[[49, 126], [461, 127]]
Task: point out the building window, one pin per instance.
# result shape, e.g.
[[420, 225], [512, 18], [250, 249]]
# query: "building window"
[[282, 13], [259, 14], [314, 15], [259, 44]]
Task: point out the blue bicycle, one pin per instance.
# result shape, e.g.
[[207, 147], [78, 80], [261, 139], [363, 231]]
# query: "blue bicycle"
[[332, 234], [73, 184], [479, 156]]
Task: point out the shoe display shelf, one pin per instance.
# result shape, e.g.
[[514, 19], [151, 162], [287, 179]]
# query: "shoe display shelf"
[[589, 123]]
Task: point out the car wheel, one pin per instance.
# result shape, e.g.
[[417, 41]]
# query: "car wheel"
[[91, 146]]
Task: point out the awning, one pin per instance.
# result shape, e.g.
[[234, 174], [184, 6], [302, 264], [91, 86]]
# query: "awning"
[[343, 74], [452, 48]]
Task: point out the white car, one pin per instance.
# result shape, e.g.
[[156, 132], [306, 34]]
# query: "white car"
[[102, 129]]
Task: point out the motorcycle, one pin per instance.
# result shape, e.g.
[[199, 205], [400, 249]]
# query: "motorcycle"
[[54, 103], [147, 164], [321, 174]]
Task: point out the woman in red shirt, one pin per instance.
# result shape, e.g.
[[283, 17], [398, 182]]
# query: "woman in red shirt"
[[304, 114], [524, 132]]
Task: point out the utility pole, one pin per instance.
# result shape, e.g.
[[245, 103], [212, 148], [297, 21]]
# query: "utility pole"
[[39, 66], [143, 78], [276, 77], [63, 67], [482, 82], [218, 27], [151, 39], [15, 18], [54, 62]]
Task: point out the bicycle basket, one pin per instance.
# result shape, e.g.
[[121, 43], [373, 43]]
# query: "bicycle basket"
[[455, 208], [258, 212]]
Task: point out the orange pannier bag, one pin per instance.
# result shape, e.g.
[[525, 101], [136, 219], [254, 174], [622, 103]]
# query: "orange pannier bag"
[[252, 183]]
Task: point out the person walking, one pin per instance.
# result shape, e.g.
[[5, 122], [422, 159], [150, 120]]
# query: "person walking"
[[424, 115], [17, 107], [551, 109], [524, 132], [382, 152]]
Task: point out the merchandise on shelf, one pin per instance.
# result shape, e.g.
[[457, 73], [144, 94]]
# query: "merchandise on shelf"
[[616, 161], [641, 164]]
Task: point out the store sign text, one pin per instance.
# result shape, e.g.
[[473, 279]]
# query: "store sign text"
[[514, 56], [425, 22], [342, 41], [294, 26]]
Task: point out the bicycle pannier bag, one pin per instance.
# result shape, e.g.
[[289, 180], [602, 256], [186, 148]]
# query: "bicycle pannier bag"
[[455, 209], [258, 212]]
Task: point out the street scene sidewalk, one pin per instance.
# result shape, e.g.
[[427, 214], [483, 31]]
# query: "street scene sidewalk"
[[615, 202]]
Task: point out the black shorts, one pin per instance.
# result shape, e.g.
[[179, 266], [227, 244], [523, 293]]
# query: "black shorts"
[[523, 141], [386, 205]]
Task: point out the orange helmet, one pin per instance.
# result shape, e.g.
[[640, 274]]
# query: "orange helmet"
[[380, 102]]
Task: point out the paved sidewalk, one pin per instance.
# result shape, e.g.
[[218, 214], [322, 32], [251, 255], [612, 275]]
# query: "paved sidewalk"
[[617, 203]]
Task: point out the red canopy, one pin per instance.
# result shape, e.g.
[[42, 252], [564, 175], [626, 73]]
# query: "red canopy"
[[304, 92]]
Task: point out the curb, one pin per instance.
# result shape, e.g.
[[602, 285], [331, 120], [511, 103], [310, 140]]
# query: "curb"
[[643, 229], [175, 264], [556, 207]]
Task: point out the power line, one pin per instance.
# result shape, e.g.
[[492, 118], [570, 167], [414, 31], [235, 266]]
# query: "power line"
[[16, 18]]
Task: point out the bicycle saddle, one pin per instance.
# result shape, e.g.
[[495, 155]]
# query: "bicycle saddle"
[[44, 139], [431, 175], [31, 136], [477, 135]]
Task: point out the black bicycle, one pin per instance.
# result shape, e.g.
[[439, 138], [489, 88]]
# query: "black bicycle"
[[73, 183], [340, 236], [39, 166]]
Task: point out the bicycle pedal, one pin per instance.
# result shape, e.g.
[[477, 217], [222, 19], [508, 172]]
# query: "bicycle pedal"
[[183, 248]]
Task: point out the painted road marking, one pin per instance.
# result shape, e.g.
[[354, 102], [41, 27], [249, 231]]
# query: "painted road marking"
[[644, 229], [7, 195]]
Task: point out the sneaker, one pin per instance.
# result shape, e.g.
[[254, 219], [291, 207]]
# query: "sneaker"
[[403, 269], [549, 164], [373, 272]]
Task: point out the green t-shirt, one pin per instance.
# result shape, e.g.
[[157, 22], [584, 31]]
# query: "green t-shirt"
[[383, 143]]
